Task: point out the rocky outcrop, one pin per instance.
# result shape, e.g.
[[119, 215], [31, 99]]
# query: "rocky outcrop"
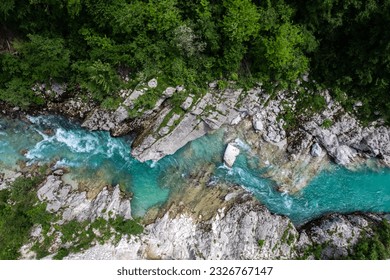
[[245, 230], [73, 107], [201, 222], [7, 177], [73, 204], [198, 120], [316, 150], [336, 234], [345, 139], [113, 121]]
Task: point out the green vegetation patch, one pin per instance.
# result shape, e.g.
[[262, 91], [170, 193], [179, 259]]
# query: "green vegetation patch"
[[20, 211], [375, 246]]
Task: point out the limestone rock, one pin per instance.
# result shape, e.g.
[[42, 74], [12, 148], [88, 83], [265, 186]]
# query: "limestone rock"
[[58, 90], [152, 83], [73, 107], [129, 102], [169, 91], [344, 155], [99, 120], [75, 205], [339, 233], [257, 122], [237, 120], [164, 131], [187, 103], [231, 154], [7, 178], [121, 114], [173, 119], [196, 122], [58, 172], [316, 150]]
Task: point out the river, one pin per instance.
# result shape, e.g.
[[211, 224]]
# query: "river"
[[102, 159]]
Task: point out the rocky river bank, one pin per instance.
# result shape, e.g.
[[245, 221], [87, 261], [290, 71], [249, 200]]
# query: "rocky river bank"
[[252, 116], [218, 222]]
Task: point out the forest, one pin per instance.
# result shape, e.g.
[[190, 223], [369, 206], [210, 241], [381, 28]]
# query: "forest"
[[97, 47]]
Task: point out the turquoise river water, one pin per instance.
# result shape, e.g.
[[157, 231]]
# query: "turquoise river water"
[[97, 156]]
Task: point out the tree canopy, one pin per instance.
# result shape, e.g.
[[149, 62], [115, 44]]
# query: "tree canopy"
[[343, 45]]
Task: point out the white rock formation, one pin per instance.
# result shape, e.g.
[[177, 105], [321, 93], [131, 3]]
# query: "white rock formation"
[[75, 205], [152, 83], [231, 154], [187, 103], [316, 150]]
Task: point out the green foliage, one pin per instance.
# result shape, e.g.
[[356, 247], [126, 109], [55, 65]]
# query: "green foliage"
[[279, 55], [260, 242], [19, 211], [353, 55], [61, 254], [42, 58], [308, 102], [110, 103], [327, 123], [240, 22], [188, 42], [6, 6], [131, 227], [343, 44], [18, 92], [375, 247], [82, 234], [97, 78], [313, 251]]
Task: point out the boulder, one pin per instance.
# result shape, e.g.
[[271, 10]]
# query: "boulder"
[[152, 83], [187, 103], [133, 96], [257, 122], [58, 172], [344, 155], [316, 150], [121, 114], [164, 131], [169, 91], [231, 154]]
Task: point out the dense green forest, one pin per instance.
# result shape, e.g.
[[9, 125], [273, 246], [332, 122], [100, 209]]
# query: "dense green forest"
[[92, 45]]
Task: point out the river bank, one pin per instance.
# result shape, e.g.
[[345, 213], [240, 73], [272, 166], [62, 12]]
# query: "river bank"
[[218, 222]]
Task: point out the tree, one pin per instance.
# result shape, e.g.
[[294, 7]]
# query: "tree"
[[42, 58], [239, 25], [353, 55]]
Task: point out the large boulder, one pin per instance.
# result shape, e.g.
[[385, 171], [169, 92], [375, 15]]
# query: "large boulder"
[[231, 154], [316, 150]]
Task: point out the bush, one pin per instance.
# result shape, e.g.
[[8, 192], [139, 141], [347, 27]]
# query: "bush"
[[43, 58], [131, 227], [97, 78]]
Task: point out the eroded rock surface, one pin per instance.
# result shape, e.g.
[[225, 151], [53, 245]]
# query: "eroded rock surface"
[[241, 230], [75, 205]]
